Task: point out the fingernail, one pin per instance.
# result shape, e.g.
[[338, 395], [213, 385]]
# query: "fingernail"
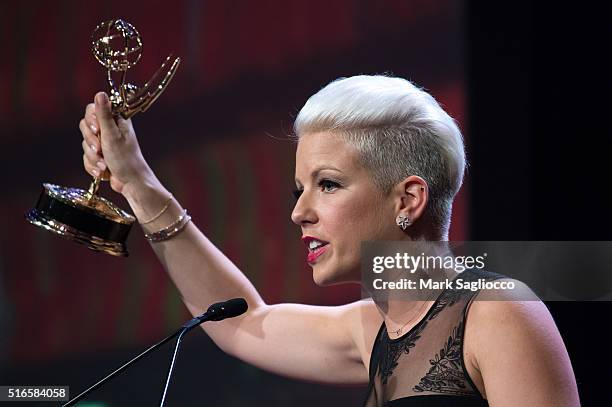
[[95, 172], [101, 165], [101, 98], [93, 147], [93, 128]]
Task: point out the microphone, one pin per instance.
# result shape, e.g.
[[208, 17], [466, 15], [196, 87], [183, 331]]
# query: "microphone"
[[216, 312], [228, 309], [219, 311]]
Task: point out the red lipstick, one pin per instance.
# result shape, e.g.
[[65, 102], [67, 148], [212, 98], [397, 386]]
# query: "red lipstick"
[[313, 255]]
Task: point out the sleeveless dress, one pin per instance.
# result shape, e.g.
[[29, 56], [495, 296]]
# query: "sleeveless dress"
[[425, 366]]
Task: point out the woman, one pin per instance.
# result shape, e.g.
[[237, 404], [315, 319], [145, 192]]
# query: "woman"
[[377, 159]]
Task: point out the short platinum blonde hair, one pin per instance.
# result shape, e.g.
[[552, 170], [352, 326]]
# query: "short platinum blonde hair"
[[399, 130]]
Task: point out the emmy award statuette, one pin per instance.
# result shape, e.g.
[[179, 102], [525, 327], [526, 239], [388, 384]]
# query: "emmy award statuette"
[[81, 215]]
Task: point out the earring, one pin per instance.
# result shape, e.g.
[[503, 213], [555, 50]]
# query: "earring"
[[403, 221]]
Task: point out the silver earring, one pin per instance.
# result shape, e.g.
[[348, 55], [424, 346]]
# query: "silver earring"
[[403, 221]]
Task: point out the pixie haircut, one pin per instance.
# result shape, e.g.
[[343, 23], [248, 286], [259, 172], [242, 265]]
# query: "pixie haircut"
[[399, 130]]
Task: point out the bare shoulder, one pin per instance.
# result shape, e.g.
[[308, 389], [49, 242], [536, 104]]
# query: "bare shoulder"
[[515, 353], [518, 311], [513, 321]]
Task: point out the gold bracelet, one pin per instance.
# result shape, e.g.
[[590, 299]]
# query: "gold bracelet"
[[171, 230], [160, 213]]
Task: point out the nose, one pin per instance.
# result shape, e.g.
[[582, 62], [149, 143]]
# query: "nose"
[[303, 212]]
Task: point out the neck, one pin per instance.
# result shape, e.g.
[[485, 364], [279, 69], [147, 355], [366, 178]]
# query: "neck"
[[403, 309], [402, 315]]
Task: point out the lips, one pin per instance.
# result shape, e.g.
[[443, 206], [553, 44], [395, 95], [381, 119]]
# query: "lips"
[[316, 251], [314, 255]]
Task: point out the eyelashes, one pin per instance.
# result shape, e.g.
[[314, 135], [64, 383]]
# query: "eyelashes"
[[326, 185]]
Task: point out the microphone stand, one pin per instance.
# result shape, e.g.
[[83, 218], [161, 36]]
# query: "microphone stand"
[[180, 333], [216, 312], [176, 347]]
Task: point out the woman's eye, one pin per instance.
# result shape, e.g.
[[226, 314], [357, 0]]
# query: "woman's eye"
[[328, 186], [325, 185]]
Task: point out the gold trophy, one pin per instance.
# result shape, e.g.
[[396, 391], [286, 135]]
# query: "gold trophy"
[[83, 216]]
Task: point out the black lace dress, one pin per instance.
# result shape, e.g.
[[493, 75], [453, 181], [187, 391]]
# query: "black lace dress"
[[425, 366]]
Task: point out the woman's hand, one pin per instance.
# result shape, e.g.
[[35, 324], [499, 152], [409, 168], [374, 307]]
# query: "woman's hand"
[[116, 150]]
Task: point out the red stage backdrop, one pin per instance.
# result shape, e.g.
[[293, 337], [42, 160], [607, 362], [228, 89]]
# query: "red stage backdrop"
[[216, 138]]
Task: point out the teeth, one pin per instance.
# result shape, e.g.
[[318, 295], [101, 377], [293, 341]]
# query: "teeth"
[[314, 244]]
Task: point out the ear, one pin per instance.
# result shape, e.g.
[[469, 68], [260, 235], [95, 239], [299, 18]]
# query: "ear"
[[412, 195]]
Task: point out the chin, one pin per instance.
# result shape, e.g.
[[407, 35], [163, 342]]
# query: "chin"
[[322, 279], [326, 276]]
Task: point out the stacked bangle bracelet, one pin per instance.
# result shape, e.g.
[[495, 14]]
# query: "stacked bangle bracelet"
[[169, 231]]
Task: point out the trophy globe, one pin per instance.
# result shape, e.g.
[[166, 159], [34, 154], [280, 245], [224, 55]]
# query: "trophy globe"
[[82, 215]]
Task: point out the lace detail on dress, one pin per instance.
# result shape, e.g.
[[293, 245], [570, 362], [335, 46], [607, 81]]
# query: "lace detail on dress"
[[396, 348], [446, 372], [426, 364]]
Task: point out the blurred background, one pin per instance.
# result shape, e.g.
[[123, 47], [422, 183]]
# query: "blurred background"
[[524, 81]]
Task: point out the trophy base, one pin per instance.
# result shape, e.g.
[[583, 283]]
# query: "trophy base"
[[82, 217]]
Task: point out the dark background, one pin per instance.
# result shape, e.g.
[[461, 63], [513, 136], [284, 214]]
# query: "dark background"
[[526, 82], [540, 152]]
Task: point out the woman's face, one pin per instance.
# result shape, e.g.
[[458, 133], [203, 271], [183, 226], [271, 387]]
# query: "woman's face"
[[339, 206]]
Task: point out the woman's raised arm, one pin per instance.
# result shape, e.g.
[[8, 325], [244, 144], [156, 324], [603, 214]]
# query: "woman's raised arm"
[[325, 344]]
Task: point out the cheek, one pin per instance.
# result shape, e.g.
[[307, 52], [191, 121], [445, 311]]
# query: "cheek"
[[346, 219], [368, 220], [348, 223], [354, 221]]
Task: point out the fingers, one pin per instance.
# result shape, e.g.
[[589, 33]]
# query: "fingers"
[[91, 119], [89, 136], [94, 159], [94, 169], [92, 156], [104, 114], [98, 120], [91, 169]]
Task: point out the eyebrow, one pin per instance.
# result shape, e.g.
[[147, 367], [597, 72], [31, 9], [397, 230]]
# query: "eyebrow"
[[317, 170]]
